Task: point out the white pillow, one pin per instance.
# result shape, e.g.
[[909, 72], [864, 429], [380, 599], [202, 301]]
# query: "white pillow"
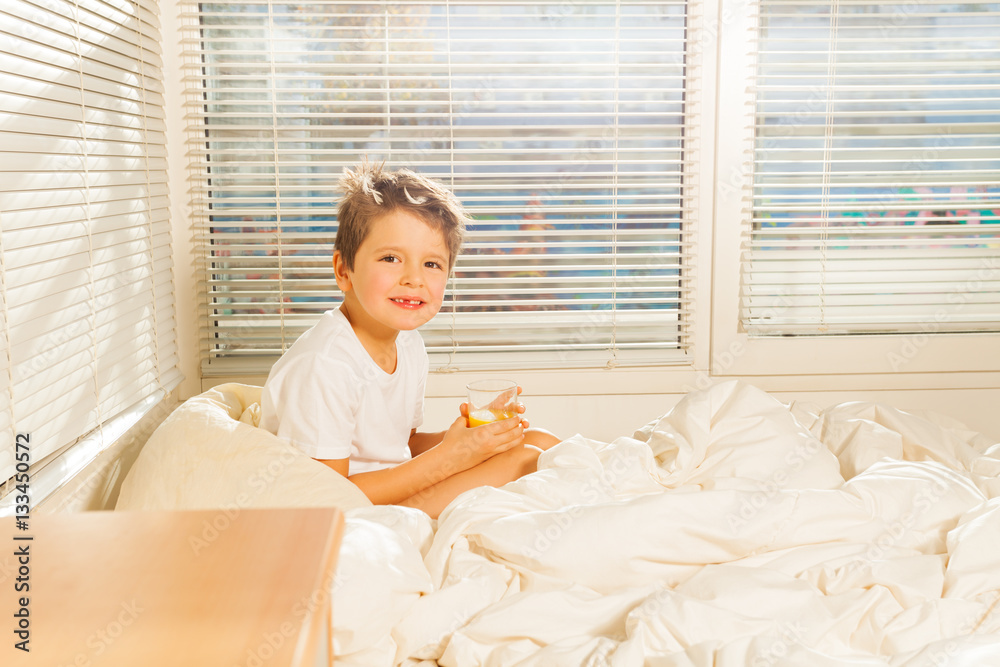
[[203, 456]]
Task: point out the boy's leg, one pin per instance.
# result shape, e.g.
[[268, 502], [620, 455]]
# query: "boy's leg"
[[540, 438], [494, 471]]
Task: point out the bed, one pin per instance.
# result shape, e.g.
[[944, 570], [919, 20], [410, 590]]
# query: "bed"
[[735, 530]]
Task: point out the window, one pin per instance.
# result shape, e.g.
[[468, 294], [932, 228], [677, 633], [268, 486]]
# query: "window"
[[858, 187], [876, 180], [563, 128], [87, 309]]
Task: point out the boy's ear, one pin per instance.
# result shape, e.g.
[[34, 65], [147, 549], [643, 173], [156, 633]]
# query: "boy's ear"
[[340, 271]]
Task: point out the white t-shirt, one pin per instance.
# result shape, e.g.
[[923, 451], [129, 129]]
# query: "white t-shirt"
[[329, 398]]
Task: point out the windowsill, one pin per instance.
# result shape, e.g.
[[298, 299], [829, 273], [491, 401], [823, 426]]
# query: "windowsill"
[[88, 474]]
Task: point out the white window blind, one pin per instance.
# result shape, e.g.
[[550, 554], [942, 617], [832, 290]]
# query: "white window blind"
[[88, 325], [876, 169], [562, 128]]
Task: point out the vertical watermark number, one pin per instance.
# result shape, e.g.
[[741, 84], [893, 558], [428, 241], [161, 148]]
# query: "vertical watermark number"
[[22, 543]]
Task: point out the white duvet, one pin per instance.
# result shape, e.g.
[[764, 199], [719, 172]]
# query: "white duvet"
[[734, 531]]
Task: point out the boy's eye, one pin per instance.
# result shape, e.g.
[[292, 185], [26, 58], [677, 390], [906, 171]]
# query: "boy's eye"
[[390, 258], [432, 265]]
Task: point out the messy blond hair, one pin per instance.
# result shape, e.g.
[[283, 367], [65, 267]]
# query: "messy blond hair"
[[371, 191]]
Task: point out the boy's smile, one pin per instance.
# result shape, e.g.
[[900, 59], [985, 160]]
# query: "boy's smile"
[[399, 277]]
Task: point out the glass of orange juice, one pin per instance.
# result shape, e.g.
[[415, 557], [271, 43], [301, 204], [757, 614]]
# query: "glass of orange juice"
[[491, 400]]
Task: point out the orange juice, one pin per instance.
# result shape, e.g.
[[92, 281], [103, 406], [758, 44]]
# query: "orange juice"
[[486, 416]]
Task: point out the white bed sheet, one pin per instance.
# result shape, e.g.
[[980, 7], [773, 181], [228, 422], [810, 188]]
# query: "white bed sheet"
[[733, 531]]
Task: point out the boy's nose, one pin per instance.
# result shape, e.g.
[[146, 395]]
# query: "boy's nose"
[[412, 278]]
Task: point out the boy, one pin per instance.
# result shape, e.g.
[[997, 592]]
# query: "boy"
[[350, 391]]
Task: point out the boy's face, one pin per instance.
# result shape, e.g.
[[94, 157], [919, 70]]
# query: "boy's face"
[[399, 277]]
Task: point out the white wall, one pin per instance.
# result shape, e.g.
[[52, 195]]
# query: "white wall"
[[605, 418], [606, 404]]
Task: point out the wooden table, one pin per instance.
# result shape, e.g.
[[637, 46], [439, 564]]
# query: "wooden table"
[[220, 588]]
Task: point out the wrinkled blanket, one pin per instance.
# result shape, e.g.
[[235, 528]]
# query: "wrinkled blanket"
[[733, 531]]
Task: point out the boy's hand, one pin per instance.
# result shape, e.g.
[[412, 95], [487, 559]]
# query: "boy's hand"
[[468, 447]]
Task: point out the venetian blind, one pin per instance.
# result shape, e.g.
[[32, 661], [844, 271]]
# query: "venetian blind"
[[88, 325], [562, 128], [876, 170]]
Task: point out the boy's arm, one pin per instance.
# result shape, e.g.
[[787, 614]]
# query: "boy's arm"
[[461, 448], [421, 442], [340, 465]]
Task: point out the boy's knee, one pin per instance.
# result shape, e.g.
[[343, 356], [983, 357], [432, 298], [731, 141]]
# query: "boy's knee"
[[540, 438]]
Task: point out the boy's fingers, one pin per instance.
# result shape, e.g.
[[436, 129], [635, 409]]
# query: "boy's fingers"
[[501, 431], [504, 425], [514, 436], [507, 443]]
